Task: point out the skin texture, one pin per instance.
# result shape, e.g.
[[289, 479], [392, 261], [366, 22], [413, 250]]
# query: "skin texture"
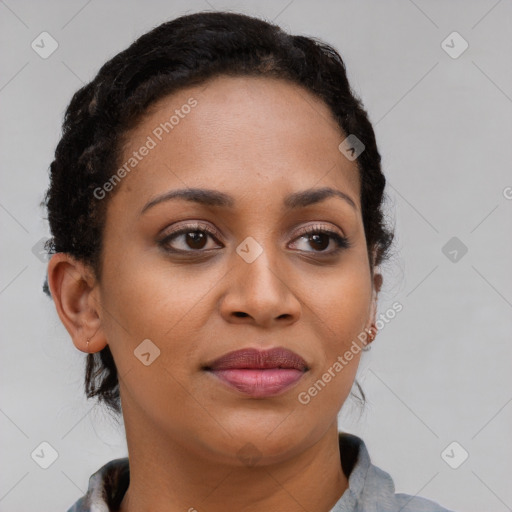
[[258, 140]]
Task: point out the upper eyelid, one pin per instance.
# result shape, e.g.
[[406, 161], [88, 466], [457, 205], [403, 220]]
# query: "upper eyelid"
[[202, 226], [198, 225], [318, 227]]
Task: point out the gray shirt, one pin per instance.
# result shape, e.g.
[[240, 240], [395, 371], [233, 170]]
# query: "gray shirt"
[[370, 489]]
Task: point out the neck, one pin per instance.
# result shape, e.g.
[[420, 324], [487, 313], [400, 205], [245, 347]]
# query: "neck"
[[166, 476]]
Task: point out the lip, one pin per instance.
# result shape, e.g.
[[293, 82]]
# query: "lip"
[[259, 373]]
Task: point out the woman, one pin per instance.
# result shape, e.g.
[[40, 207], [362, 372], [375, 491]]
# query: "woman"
[[216, 212]]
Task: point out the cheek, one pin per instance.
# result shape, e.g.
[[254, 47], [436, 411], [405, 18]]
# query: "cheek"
[[342, 301], [139, 285], [145, 297], [147, 302], [339, 309]]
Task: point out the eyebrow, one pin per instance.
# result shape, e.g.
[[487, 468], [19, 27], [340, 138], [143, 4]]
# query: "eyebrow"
[[215, 198]]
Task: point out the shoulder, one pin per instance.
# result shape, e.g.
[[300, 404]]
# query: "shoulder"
[[107, 487], [379, 490], [370, 488]]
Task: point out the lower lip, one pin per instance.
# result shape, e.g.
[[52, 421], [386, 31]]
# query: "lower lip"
[[260, 383]]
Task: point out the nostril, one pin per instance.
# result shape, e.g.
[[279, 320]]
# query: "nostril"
[[241, 314]]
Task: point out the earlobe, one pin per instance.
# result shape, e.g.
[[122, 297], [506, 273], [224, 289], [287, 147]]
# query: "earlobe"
[[72, 287], [371, 328], [377, 284]]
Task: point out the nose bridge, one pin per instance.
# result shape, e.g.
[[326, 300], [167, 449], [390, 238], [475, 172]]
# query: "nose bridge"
[[257, 267], [257, 286]]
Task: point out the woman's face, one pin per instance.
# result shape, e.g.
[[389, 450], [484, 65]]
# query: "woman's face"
[[245, 276]]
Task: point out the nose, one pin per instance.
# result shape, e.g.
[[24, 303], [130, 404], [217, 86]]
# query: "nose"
[[260, 293]]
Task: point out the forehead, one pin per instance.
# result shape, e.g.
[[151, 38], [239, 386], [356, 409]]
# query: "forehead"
[[258, 134]]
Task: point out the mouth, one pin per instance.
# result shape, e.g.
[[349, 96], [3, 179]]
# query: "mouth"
[[258, 373]]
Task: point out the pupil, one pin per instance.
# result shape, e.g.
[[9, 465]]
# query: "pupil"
[[314, 239], [195, 239]]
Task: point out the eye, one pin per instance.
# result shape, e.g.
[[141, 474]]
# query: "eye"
[[191, 238], [195, 237], [320, 239]]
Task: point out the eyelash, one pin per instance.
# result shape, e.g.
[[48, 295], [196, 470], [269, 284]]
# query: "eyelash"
[[341, 241]]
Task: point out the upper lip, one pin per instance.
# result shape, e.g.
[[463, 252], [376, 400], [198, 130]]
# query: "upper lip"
[[253, 358]]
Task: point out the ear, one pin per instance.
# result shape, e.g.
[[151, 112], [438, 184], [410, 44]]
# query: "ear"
[[376, 286], [75, 294]]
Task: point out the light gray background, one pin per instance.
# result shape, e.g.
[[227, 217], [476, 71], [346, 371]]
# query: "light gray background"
[[439, 372]]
